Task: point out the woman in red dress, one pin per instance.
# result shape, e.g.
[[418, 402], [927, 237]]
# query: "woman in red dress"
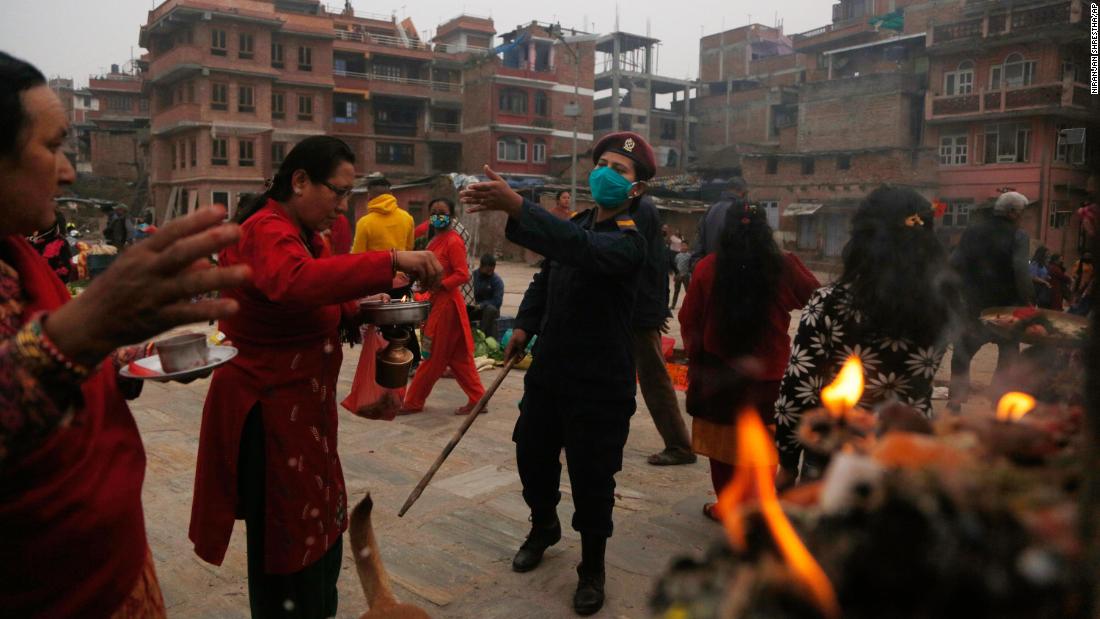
[[734, 322], [448, 326], [71, 460], [267, 447]]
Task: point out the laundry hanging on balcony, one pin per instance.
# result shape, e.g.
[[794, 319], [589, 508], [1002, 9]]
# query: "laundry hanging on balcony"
[[889, 21]]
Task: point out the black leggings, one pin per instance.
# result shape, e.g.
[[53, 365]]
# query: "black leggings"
[[306, 594]]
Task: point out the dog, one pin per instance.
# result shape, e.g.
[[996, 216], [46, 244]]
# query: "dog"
[[372, 574]]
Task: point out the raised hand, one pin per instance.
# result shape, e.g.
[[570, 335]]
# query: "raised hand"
[[149, 289], [491, 195], [424, 265]]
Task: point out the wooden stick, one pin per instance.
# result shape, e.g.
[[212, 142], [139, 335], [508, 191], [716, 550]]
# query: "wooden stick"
[[470, 418]]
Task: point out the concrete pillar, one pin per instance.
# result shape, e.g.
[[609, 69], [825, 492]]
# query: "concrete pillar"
[[615, 70]]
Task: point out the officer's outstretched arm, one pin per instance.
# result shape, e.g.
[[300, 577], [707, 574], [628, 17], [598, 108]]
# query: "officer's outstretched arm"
[[609, 253]]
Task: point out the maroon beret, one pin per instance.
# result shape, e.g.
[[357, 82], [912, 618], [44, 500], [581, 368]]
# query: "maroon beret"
[[631, 145]]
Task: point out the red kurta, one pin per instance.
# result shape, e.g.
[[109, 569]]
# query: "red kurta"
[[448, 327], [287, 332], [699, 321], [73, 532]]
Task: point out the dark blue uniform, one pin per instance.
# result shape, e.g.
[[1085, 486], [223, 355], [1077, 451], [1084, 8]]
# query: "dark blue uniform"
[[579, 391]]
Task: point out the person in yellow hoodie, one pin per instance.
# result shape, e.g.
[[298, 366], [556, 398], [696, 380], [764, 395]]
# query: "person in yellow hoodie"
[[386, 225]]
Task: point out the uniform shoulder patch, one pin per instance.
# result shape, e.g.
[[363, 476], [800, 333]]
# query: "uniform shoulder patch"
[[574, 214], [625, 223]]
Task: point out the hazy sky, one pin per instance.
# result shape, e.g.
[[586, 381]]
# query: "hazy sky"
[[76, 38]]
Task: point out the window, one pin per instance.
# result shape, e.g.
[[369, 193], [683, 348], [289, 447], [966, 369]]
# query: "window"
[[668, 129], [175, 157], [387, 71], [1070, 153], [278, 153], [771, 165], [118, 103], [771, 209], [219, 151], [1069, 70], [843, 162], [277, 55], [513, 101], [1007, 143], [245, 99], [183, 153], [247, 157], [957, 214], [1013, 73], [190, 92], [959, 81], [542, 104], [953, 149], [219, 97], [305, 107], [245, 49], [278, 105], [394, 153], [807, 166], [1060, 214], [511, 149], [194, 152], [539, 152], [220, 197], [345, 111], [305, 58], [217, 42]]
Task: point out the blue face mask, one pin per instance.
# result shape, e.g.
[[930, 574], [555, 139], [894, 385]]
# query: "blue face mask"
[[609, 188], [440, 221]]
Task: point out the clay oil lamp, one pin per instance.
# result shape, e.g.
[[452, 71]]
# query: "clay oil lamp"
[[841, 422], [1010, 436], [799, 574]]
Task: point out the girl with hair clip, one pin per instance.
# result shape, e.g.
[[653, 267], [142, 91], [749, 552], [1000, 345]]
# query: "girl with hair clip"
[[892, 307], [267, 446], [448, 325], [734, 323]]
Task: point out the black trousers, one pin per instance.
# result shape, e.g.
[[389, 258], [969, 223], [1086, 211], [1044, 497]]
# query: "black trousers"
[[966, 346], [306, 594], [486, 314], [593, 434]]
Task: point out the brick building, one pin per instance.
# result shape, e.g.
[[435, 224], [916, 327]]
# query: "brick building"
[[633, 97], [117, 125], [1005, 80]]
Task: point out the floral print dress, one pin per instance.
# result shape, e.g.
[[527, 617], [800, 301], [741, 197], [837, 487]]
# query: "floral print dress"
[[830, 331]]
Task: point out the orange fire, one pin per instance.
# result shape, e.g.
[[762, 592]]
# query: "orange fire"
[[844, 393], [756, 462], [1014, 405]]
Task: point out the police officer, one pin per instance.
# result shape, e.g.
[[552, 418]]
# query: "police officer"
[[579, 391]]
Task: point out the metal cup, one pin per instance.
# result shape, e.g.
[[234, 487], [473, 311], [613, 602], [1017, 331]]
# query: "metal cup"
[[183, 352]]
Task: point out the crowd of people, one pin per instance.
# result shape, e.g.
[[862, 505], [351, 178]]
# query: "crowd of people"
[[291, 271]]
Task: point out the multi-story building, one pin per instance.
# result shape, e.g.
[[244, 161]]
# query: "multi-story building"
[[640, 100], [118, 126], [77, 103], [1007, 79], [515, 101], [233, 86]]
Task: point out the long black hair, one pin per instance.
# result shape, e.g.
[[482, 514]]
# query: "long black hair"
[[749, 266], [896, 269], [318, 156], [16, 76]]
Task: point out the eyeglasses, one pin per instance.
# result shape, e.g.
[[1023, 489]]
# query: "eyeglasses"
[[341, 192]]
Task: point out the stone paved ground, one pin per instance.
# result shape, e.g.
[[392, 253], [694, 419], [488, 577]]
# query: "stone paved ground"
[[451, 553]]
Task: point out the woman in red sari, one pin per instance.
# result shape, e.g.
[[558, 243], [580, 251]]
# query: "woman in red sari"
[[71, 459], [734, 322], [448, 325], [267, 447]]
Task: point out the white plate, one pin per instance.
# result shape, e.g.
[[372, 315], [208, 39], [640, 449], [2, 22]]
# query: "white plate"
[[218, 355]]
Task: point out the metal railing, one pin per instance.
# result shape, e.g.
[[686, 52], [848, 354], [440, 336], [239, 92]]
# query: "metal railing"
[[332, 9], [410, 81], [444, 127], [382, 39]]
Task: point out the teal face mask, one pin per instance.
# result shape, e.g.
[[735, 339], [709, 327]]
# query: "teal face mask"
[[609, 188], [440, 221]]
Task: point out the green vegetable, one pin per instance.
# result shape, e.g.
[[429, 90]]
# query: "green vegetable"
[[492, 344]]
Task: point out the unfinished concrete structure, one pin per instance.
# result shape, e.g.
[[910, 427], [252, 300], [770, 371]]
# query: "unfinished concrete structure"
[[636, 98]]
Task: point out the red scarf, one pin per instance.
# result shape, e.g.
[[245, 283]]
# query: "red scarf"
[[70, 511]]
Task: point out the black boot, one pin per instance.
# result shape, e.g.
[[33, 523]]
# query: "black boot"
[[544, 534], [588, 599], [589, 596]]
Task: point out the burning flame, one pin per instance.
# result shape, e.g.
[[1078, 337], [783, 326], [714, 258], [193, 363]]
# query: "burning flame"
[[844, 393], [756, 462], [1014, 405]]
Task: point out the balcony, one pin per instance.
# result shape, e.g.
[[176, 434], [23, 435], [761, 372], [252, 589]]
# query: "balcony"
[[384, 44], [398, 86], [1064, 97], [405, 130], [960, 35], [529, 71]]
